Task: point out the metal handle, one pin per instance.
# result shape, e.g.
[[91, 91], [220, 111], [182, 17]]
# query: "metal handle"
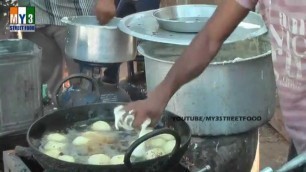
[[59, 85], [128, 154], [294, 163], [289, 166]]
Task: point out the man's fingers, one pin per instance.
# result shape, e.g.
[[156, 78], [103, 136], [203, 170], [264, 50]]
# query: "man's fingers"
[[139, 119], [130, 106]]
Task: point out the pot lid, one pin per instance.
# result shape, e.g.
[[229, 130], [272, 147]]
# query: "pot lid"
[[90, 21], [143, 25]]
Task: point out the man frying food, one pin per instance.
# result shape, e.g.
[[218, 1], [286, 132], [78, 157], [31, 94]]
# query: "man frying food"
[[285, 20]]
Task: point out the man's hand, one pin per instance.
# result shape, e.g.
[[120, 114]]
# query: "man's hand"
[[152, 107], [105, 11]]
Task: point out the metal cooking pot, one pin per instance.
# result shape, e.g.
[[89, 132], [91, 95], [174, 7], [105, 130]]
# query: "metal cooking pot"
[[88, 41], [63, 119], [233, 95]]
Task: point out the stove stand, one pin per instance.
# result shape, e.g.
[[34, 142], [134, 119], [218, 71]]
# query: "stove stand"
[[222, 153], [88, 87], [14, 163]]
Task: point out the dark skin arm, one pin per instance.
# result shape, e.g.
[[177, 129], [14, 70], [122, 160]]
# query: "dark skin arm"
[[193, 61]]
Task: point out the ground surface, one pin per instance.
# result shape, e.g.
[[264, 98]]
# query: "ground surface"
[[273, 148]]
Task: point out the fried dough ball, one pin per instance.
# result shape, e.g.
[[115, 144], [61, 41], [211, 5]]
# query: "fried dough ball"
[[66, 158], [56, 137], [118, 159], [99, 159], [80, 140], [101, 126], [155, 142], [154, 153], [100, 138], [169, 146], [51, 145], [53, 153], [166, 137]]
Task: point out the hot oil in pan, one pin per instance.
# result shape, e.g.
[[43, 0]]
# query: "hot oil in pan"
[[79, 143], [110, 143]]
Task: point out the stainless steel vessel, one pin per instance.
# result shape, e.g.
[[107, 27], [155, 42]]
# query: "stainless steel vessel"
[[90, 42], [235, 94], [20, 85], [192, 19], [182, 18]]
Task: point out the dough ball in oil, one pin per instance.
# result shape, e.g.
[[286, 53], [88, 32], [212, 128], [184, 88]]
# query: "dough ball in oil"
[[169, 146], [89, 133], [53, 153], [99, 159], [51, 145], [154, 153], [56, 137], [66, 158], [101, 126], [80, 140], [166, 137], [100, 138], [118, 159], [155, 142]]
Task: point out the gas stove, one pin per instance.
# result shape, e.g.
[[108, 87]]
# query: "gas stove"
[[88, 87], [14, 163]]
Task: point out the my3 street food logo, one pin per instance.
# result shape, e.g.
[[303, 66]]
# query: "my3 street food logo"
[[217, 118], [22, 19]]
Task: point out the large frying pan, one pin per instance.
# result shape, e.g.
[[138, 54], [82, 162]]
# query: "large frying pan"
[[63, 119]]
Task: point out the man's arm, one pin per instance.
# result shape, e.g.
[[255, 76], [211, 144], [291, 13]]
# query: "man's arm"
[[203, 48], [193, 61]]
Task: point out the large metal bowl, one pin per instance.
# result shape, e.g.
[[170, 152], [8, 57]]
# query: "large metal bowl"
[[189, 18], [235, 94], [89, 41]]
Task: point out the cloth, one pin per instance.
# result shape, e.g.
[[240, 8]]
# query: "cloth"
[[285, 20], [52, 11], [125, 8], [125, 120]]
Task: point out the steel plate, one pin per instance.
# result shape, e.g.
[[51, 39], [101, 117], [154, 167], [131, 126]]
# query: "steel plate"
[[144, 26]]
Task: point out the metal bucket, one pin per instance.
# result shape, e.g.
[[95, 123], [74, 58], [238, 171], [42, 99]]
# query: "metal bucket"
[[233, 95], [20, 85], [90, 42]]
